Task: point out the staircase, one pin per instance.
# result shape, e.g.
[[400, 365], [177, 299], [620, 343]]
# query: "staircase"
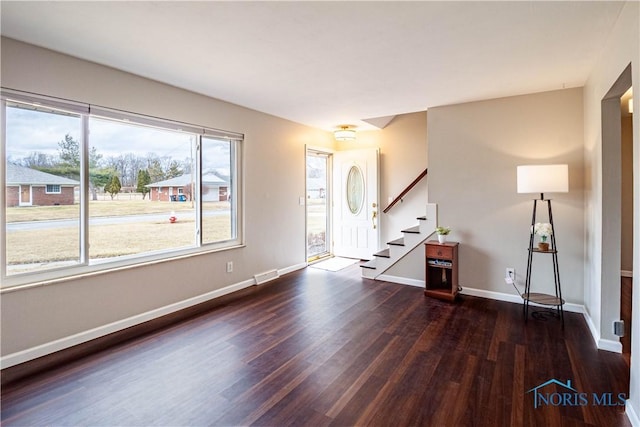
[[398, 248]]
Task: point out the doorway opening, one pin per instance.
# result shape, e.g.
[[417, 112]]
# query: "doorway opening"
[[318, 171], [616, 302], [342, 192], [627, 215]]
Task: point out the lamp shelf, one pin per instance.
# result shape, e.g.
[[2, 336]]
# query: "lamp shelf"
[[550, 251], [534, 297], [543, 299]]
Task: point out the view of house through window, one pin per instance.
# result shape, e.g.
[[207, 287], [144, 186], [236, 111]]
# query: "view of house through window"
[[42, 224], [218, 203], [151, 189], [135, 173]]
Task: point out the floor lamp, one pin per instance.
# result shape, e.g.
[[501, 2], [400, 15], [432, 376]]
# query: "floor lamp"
[[543, 179]]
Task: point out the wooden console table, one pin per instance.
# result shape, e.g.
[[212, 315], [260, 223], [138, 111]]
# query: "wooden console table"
[[441, 270]]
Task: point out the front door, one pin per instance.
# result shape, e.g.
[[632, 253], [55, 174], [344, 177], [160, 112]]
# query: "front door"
[[355, 203], [25, 195]]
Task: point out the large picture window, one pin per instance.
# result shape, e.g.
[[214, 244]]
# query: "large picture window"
[[87, 188]]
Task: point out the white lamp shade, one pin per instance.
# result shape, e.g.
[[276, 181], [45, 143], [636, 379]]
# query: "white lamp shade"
[[543, 179], [344, 134]]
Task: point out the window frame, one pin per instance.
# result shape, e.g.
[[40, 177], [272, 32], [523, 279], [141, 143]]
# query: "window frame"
[[86, 266], [58, 191]]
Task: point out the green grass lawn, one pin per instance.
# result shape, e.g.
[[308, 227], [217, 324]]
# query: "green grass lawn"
[[316, 226], [30, 250], [101, 208]]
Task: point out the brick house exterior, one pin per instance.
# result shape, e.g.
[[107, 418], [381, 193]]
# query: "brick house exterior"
[[13, 195], [30, 187], [214, 189]]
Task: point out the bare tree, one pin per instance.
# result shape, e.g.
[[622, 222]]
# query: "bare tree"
[[37, 159]]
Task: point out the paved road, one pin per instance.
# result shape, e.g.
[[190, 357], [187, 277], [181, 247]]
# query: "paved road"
[[127, 219]]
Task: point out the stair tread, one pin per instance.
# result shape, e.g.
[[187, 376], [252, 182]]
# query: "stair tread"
[[383, 253], [415, 230], [369, 264], [412, 237], [397, 242]]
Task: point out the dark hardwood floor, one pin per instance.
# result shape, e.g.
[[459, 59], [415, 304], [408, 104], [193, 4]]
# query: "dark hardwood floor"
[[322, 348]]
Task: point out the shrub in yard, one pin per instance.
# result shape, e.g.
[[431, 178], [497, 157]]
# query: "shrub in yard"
[[113, 186]]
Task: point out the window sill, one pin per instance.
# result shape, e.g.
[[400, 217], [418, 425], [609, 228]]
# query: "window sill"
[[36, 280]]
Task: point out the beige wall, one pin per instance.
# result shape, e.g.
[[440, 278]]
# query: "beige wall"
[[474, 150], [602, 293], [274, 222]]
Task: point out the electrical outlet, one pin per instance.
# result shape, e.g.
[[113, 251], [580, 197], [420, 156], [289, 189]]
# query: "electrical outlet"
[[510, 273], [229, 266]]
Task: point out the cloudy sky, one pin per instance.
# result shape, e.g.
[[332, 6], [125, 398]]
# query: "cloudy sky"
[[31, 131]]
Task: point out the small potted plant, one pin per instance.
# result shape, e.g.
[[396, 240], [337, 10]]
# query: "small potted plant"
[[544, 230], [442, 233]]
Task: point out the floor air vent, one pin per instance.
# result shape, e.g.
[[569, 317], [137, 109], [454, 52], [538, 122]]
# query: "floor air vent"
[[266, 276]]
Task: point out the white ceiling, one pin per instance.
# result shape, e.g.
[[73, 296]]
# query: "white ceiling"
[[330, 63]]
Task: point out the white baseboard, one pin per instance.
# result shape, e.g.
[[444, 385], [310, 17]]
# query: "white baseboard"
[[286, 270], [500, 296], [592, 328], [517, 299], [602, 344], [82, 337], [632, 414], [401, 280], [609, 345]]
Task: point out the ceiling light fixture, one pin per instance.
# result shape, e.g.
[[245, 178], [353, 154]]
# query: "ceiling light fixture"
[[345, 133], [630, 105]]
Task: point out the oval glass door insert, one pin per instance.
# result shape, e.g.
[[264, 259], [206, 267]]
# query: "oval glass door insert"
[[355, 190]]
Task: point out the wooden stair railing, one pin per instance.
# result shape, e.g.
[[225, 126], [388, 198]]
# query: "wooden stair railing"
[[406, 190]]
